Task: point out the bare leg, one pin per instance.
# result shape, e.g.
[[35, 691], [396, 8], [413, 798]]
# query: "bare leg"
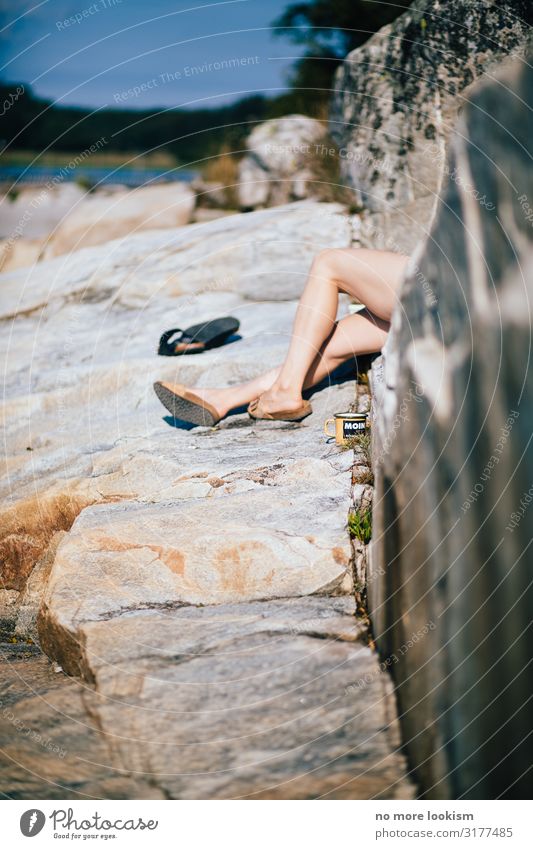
[[371, 277], [362, 333], [319, 344]]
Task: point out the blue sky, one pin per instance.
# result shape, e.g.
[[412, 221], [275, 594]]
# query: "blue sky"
[[163, 48]]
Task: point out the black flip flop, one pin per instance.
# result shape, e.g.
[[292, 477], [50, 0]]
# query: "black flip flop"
[[198, 338]]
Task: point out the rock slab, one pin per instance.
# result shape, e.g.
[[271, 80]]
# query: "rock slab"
[[262, 700], [195, 581]]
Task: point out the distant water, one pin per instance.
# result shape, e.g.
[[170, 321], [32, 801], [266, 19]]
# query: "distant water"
[[41, 174]]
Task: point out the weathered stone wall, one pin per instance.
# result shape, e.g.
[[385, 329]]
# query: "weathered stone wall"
[[451, 567], [396, 102]]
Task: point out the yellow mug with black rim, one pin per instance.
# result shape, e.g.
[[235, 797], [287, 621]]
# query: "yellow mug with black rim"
[[347, 425]]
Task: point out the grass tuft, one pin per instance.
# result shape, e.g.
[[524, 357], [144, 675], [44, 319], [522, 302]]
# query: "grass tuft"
[[360, 525]]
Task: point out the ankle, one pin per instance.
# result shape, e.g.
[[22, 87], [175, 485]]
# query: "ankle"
[[285, 388], [214, 397]]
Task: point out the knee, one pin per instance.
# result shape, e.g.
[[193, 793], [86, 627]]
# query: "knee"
[[325, 265], [326, 258]]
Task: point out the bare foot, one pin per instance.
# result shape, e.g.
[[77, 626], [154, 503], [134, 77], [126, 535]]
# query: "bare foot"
[[276, 400], [230, 398], [220, 399]]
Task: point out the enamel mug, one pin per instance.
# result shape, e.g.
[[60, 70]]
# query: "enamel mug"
[[347, 425]]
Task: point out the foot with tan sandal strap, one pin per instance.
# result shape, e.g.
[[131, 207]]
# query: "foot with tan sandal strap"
[[257, 410], [186, 405]]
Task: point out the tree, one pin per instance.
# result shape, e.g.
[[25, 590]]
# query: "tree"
[[329, 29]]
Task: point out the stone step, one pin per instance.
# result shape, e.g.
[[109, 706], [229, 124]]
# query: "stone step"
[[275, 699]]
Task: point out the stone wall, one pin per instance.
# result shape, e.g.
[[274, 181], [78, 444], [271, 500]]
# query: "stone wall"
[[451, 568], [396, 102]]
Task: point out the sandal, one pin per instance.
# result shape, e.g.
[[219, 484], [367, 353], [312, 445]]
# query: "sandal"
[[255, 411], [185, 405], [198, 338]]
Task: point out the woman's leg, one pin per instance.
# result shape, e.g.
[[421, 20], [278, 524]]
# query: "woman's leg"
[[362, 333], [371, 277]]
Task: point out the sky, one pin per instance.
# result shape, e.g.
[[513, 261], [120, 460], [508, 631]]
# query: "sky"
[[139, 54]]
